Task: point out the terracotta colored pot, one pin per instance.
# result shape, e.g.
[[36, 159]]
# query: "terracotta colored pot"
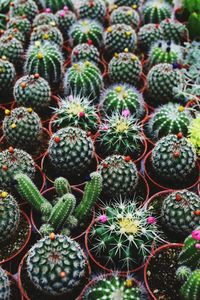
[[144, 122]]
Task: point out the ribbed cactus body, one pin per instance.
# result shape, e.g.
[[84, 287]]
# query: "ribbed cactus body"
[[85, 52], [127, 2], [21, 23], [190, 254], [15, 33], [56, 265], [148, 34], [26, 8], [183, 273], [7, 74], [62, 186], [48, 33], [165, 52], [12, 49], [154, 11], [172, 30], [45, 18], [56, 5], [125, 15], [4, 285], [191, 289], [65, 19], [92, 9]]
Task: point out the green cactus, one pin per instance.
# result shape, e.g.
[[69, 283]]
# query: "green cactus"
[[85, 52], [125, 67], [154, 11], [71, 150], [7, 74], [118, 37], [83, 79], [15, 33], [133, 3], [86, 30], [26, 8], [22, 127], [12, 49], [120, 97], [77, 112], [9, 216], [191, 289], [32, 91], [48, 33], [56, 265], [45, 18], [56, 5], [120, 175], [46, 60], [183, 273], [172, 30], [170, 118], [65, 19], [92, 9], [190, 254], [148, 34], [5, 291], [173, 158], [194, 134], [12, 162], [62, 186], [125, 15]]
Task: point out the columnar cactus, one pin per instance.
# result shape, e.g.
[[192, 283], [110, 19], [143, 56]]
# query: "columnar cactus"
[[4, 285], [85, 52], [148, 34], [9, 216], [170, 118], [46, 60], [22, 127], [83, 79], [125, 67], [71, 150], [7, 74], [190, 254], [64, 263], [49, 33], [11, 48], [125, 15], [179, 212], [45, 18], [191, 289], [121, 97], [165, 52], [26, 8], [194, 134], [174, 158], [32, 91], [154, 11], [56, 5], [13, 161], [65, 19], [162, 82], [86, 30], [92, 9], [21, 23], [118, 37], [120, 175], [172, 30], [77, 112], [62, 186]]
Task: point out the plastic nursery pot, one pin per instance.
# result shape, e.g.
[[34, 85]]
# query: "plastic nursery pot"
[[162, 184], [155, 252], [49, 194], [19, 241], [24, 282]]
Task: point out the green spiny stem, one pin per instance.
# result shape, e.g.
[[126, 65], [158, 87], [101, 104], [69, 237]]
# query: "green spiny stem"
[[191, 289], [62, 186], [190, 255]]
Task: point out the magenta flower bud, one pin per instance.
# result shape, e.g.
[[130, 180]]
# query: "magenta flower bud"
[[105, 127], [70, 98], [62, 14], [197, 246], [48, 10], [126, 113], [196, 235], [65, 8], [82, 114], [103, 219], [151, 220]]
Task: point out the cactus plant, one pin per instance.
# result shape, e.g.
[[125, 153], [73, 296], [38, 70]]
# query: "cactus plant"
[[120, 175], [172, 30], [56, 5], [182, 273], [86, 30], [4, 285], [125, 15], [121, 97], [62, 186], [83, 79], [64, 262], [46, 60], [26, 8], [191, 289], [174, 158], [9, 216], [194, 133], [32, 91], [178, 212], [118, 37], [45, 18], [162, 82], [71, 150], [170, 118], [12, 49], [15, 33], [78, 112], [133, 3], [92, 9], [49, 33], [148, 34], [7, 74], [65, 19], [85, 52], [125, 67], [154, 11], [22, 127], [21, 23]]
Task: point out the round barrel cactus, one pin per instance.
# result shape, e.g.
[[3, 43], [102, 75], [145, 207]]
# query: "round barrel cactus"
[[65, 19], [7, 74], [125, 15], [148, 34], [133, 3], [45, 18], [26, 8], [4, 285], [49, 33], [154, 11], [172, 30], [12, 49], [15, 33], [85, 52], [21, 23], [56, 5], [92, 9]]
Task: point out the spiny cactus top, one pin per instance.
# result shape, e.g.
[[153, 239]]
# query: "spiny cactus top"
[[56, 5], [4, 285], [125, 67], [173, 30], [11, 48], [45, 59], [21, 127], [121, 97], [56, 265], [174, 158], [194, 133], [13, 161], [21, 23], [45, 18], [85, 79], [70, 149], [147, 35], [85, 30], [113, 287], [125, 15], [9, 216], [15, 33], [133, 3], [77, 111], [118, 37], [120, 175], [47, 33], [169, 118], [26, 8], [65, 19], [154, 11], [92, 9], [179, 212], [85, 52], [191, 289], [7, 74]]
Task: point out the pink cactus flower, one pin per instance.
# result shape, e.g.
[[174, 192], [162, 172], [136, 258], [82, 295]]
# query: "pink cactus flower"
[[65, 8], [70, 98], [151, 220], [197, 246], [48, 10], [126, 113], [103, 219], [82, 114], [62, 14], [105, 127], [196, 235]]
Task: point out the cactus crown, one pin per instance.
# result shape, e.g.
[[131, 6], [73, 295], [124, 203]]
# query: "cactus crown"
[[45, 33], [85, 52], [125, 15], [92, 9], [45, 18], [154, 11]]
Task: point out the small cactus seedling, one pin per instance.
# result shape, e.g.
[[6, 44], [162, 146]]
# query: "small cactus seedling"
[[191, 289], [85, 52], [5, 291], [172, 30], [45, 18], [92, 9], [21, 23], [15, 33], [7, 74], [125, 15], [148, 34], [154, 11], [65, 19], [55, 5], [26, 8], [45, 33], [12, 49]]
